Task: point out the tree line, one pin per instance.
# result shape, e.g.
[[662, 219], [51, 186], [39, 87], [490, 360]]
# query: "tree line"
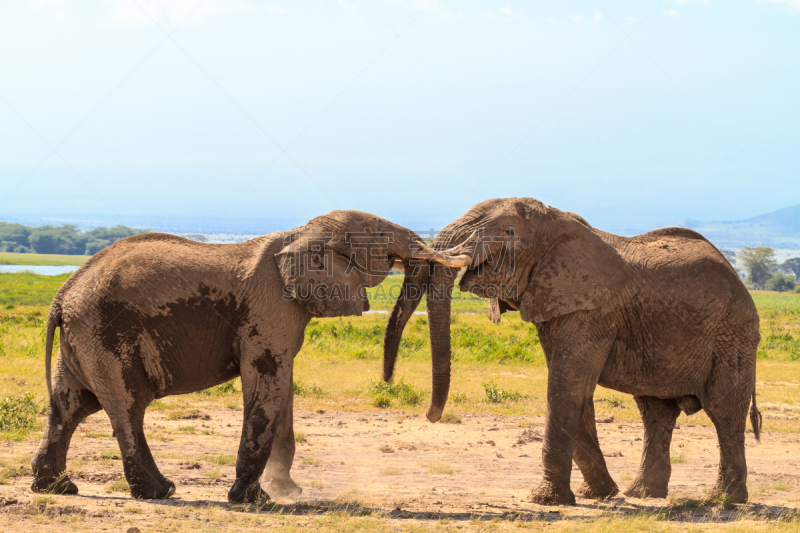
[[764, 272], [66, 239]]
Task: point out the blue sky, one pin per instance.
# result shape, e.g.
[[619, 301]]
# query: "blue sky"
[[211, 115]]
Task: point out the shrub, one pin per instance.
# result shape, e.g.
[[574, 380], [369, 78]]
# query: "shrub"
[[407, 394], [498, 395], [220, 390], [19, 412], [301, 389], [381, 401], [459, 397], [780, 282]]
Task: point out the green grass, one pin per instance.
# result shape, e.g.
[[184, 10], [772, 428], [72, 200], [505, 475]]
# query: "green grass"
[[9, 258], [119, 485], [18, 416], [339, 366], [25, 289]]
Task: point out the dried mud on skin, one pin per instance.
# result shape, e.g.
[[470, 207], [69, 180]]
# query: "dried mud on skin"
[[392, 465]]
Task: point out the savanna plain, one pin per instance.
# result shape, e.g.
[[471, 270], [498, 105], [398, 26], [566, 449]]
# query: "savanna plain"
[[367, 459]]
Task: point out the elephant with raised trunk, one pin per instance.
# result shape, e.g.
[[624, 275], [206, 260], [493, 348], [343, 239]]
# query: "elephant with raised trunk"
[[662, 316], [155, 315]]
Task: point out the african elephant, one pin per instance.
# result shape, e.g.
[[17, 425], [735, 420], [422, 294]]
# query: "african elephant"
[[661, 316], [155, 315]]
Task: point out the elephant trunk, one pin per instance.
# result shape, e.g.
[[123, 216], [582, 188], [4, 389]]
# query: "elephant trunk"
[[404, 307], [438, 296]]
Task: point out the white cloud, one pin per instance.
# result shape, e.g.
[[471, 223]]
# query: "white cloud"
[[790, 4], [551, 20], [598, 16], [51, 7], [506, 13], [671, 14], [348, 9], [436, 9], [170, 12], [577, 19]]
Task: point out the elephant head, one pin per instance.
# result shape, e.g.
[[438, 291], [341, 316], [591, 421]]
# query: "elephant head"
[[520, 254], [328, 264]]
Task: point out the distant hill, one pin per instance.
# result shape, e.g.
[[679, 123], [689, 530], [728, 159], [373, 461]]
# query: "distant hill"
[[779, 229]]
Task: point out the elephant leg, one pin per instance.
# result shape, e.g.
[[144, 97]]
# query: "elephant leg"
[[70, 404], [279, 464], [574, 365], [597, 482], [125, 405], [265, 390], [730, 421], [659, 416]]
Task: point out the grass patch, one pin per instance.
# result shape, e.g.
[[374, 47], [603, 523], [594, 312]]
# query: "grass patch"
[[405, 393], [18, 416], [119, 485], [221, 459], [450, 418], [11, 258], [309, 461], [678, 459], [300, 437], [12, 472], [301, 389], [220, 390], [459, 397], [391, 471], [439, 467], [381, 401], [494, 394]]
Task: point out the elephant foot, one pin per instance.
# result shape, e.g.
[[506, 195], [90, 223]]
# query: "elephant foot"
[[728, 494], [54, 484], [284, 488], [549, 494], [155, 490], [639, 489], [597, 490], [243, 493]]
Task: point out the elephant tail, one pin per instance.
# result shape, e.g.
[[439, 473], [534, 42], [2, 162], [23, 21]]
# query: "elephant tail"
[[53, 321], [755, 417]]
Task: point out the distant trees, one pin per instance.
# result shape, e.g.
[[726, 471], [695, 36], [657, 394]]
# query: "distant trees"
[[780, 282], [792, 266], [730, 255], [65, 239], [758, 262]]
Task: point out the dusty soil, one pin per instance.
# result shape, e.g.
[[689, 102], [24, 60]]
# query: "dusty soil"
[[390, 463]]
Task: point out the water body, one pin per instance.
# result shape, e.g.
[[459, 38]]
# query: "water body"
[[45, 270]]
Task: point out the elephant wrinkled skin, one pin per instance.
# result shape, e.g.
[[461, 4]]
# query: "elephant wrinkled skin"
[[662, 316], [154, 315]]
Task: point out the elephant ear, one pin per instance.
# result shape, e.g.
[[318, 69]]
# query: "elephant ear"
[[320, 278], [578, 272]]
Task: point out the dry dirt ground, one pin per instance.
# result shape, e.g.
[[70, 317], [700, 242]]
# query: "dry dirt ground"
[[381, 464]]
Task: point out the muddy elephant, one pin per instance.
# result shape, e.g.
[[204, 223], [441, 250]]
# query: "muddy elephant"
[[155, 315], [661, 316]]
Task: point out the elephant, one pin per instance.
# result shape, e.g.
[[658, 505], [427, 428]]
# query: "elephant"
[[156, 314], [662, 316]]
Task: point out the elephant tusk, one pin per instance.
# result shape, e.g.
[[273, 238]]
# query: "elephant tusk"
[[398, 265], [456, 261]]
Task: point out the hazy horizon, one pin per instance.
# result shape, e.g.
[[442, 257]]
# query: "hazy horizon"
[[209, 116]]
